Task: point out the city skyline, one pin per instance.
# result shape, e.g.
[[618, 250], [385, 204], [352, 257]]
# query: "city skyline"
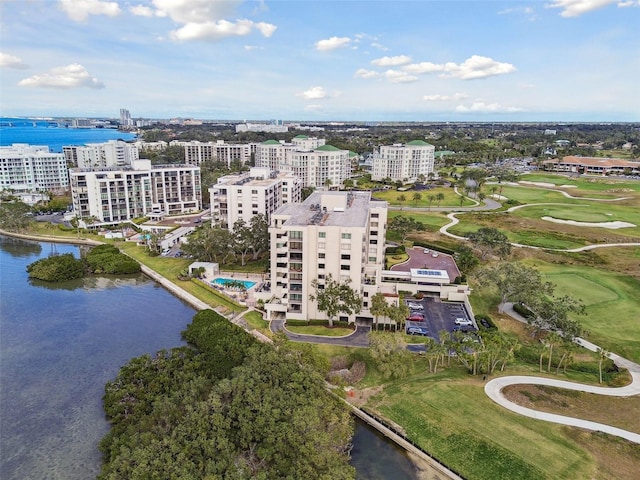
[[556, 60]]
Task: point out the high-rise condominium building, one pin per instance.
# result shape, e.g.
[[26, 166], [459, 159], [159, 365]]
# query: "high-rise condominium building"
[[259, 191], [125, 118], [113, 153], [404, 162], [111, 196], [31, 168], [195, 153], [309, 158], [331, 233]]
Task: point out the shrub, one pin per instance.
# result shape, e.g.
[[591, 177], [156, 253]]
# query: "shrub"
[[522, 310], [419, 296], [56, 268], [484, 320]]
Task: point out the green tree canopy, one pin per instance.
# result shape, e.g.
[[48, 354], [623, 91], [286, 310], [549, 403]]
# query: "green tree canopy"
[[490, 241], [334, 297]]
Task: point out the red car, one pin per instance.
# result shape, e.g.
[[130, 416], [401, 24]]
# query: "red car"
[[416, 317]]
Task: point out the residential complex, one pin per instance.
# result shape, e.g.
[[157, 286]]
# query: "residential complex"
[[195, 153], [592, 165], [317, 164], [274, 127], [259, 191], [32, 168], [331, 233], [404, 162], [114, 153], [115, 195]]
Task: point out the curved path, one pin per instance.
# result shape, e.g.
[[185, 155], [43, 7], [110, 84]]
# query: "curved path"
[[494, 388], [359, 338]]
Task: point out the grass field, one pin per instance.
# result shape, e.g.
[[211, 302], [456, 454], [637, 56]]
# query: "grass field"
[[435, 220], [450, 198], [593, 184]]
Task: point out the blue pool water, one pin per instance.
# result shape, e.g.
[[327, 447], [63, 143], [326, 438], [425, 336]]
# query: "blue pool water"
[[222, 281]]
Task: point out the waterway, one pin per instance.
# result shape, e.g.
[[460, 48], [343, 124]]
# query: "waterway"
[[60, 344]]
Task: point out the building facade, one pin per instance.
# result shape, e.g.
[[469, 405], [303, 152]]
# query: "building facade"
[[404, 162], [592, 165], [310, 158], [111, 196], [337, 234], [114, 153], [195, 153], [32, 168], [260, 191]]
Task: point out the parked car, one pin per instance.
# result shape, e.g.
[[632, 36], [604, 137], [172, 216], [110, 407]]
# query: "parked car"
[[417, 331], [415, 306], [416, 318], [417, 314], [463, 328], [463, 321]]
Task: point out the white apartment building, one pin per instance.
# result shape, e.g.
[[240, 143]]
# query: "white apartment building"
[[113, 153], [154, 146], [125, 118], [308, 158], [331, 233], [259, 191], [276, 127], [197, 152], [31, 168], [115, 195], [404, 162]]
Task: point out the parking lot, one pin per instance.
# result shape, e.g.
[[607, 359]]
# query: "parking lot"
[[439, 316]]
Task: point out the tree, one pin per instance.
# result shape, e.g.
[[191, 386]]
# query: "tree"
[[348, 184], [327, 183], [242, 239], [334, 297], [465, 259], [516, 282], [602, 356], [260, 233], [402, 198], [404, 225], [398, 313], [15, 216], [490, 241], [416, 197], [379, 306], [432, 198], [390, 354], [439, 198], [213, 244], [552, 313]]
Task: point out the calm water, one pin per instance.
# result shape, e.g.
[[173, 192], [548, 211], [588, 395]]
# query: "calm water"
[[59, 346], [55, 137]]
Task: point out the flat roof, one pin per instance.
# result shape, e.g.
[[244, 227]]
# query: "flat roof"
[[354, 214]]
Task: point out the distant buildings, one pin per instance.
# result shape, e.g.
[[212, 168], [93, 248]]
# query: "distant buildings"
[[274, 127], [331, 233], [317, 164], [32, 168], [114, 153], [403, 162], [592, 165], [115, 195], [125, 118], [259, 191]]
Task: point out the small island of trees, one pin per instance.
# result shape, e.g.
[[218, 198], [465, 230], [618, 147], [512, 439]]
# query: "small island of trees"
[[103, 259]]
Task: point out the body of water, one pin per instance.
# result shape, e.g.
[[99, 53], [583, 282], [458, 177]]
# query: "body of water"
[[41, 132], [60, 344]]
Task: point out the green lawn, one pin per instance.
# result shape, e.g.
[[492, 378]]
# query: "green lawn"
[[591, 184], [320, 330], [435, 220], [450, 198], [449, 415], [612, 306]]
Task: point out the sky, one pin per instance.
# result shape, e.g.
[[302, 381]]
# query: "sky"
[[322, 60]]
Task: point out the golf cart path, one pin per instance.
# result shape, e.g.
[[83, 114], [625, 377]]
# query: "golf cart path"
[[494, 389]]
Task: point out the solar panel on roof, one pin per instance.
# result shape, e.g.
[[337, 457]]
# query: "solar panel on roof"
[[433, 273]]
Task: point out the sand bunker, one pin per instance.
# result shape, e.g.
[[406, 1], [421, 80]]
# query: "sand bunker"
[[498, 197], [547, 185], [611, 225]]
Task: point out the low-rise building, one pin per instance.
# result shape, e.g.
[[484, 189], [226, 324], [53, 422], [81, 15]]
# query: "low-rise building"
[[195, 153], [28, 168], [592, 165], [111, 196], [259, 191]]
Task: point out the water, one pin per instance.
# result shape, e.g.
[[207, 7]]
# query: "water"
[[24, 131], [224, 281], [60, 344]]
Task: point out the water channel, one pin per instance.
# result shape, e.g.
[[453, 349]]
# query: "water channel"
[[60, 344]]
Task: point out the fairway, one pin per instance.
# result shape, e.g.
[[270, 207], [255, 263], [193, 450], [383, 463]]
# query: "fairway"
[[591, 293]]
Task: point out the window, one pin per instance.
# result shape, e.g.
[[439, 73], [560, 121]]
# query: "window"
[[345, 257], [321, 265], [322, 234], [345, 267], [373, 259], [346, 235], [365, 294], [321, 255], [295, 234], [321, 245], [373, 241]]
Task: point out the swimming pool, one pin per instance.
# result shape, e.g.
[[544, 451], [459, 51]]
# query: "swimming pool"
[[224, 281]]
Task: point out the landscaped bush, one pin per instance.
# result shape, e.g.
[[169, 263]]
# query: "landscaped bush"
[[483, 320], [419, 296], [400, 249], [522, 310], [431, 246]]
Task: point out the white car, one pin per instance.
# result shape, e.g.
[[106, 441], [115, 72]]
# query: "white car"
[[463, 322], [415, 306]]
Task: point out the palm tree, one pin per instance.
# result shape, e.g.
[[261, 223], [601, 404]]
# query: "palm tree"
[[416, 197], [439, 198], [379, 306], [432, 198], [328, 183], [603, 354]]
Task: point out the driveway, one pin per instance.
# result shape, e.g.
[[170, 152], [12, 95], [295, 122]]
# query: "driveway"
[[359, 338]]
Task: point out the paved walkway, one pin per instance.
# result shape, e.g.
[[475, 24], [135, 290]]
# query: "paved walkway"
[[494, 388]]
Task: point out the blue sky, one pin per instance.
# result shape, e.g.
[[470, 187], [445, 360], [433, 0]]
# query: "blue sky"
[[419, 60]]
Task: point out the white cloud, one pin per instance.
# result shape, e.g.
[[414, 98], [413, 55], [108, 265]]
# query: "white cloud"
[[142, 11], [313, 108], [528, 12], [196, 11], [70, 76], [445, 98], [332, 43], [398, 76], [11, 61], [364, 73], [480, 106], [472, 68], [391, 61], [379, 46], [249, 48], [220, 29], [629, 3], [314, 93], [79, 10], [575, 8]]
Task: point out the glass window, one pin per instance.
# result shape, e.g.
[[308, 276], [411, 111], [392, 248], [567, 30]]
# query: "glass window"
[[346, 235], [322, 234]]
